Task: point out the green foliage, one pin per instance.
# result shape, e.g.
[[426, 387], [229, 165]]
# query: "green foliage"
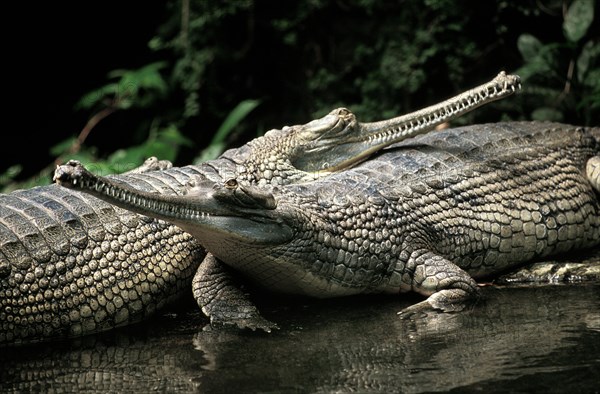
[[302, 59], [126, 90], [218, 143], [562, 77], [8, 177], [192, 34], [130, 88], [162, 143], [578, 19]]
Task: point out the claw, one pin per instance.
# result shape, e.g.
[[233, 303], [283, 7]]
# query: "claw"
[[420, 309]]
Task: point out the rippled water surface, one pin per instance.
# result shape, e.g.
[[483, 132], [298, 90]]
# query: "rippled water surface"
[[517, 339]]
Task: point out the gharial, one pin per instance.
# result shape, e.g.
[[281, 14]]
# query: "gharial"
[[71, 264], [428, 214]]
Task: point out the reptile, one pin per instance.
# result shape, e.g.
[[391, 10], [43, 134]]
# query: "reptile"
[[71, 264], [429, 214]]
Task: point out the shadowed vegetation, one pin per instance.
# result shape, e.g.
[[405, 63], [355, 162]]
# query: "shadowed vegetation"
[[229, 71]]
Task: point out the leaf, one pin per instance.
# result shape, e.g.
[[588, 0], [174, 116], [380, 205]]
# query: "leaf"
[[133, 88], [11, 173], [211, 152], [538, 58], [171, 134], [529, 46], [145, 77], [62, 147], [123, 160], [589, 53], [217, 144], [234, 118], [578, 19], [164, 144], [94, 97]]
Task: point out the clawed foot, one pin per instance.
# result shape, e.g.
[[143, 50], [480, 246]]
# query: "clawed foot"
[[436, 303], [223, 301], [425, 309], [420, 309]]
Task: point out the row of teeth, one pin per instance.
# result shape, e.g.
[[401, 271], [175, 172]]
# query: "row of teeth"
[[449, 111], [144, 203]]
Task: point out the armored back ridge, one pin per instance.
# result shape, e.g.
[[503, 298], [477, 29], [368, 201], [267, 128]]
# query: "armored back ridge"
[[427, 214]]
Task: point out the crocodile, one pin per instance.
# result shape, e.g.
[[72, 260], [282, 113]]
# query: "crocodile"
[[71, 264], [430, 214]]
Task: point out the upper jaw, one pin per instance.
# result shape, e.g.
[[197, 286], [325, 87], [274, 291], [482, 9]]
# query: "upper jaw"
[[223, 209]]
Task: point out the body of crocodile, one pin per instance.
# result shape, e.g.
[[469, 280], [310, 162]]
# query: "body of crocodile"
[[428, 214], [71, 264]]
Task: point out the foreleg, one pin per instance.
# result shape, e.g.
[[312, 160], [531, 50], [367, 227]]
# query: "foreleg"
[[222, 301]]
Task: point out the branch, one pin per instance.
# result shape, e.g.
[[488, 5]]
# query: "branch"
[[91, 123]]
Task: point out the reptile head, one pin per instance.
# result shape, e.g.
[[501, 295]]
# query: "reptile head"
[[339, 141], [211, 212]]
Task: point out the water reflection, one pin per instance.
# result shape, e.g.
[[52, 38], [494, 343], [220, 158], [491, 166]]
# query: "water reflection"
[[517, 339]]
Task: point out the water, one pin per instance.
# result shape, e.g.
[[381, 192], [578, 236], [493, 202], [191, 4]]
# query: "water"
[[517, 339]]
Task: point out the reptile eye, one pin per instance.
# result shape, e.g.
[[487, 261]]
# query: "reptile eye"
[[231, 183]]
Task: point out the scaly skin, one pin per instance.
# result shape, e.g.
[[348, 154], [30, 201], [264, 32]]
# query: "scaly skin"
[[430, 214], [71, 265]]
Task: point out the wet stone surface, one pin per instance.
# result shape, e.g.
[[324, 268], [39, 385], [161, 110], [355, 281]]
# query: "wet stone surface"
[[542, 338]]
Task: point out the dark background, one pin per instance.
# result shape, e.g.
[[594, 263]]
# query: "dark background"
[[300, 59], [59, 52]]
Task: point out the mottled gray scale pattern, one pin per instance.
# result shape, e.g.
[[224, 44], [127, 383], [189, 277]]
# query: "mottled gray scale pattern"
[[484, 201], [74, 228], [71, 264], [24, 230], [166, 182], [48, 214]]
